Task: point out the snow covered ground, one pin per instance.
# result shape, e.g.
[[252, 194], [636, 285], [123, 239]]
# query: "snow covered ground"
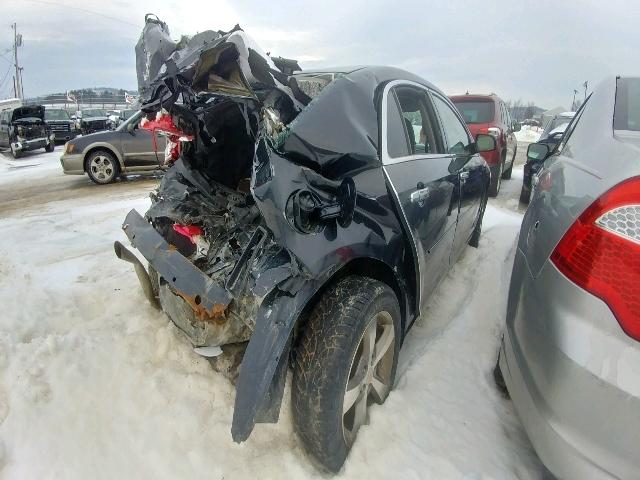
[[94, 383], [528, 134]]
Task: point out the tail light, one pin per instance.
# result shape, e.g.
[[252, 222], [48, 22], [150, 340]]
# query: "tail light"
[[601, 253], [495, 131]]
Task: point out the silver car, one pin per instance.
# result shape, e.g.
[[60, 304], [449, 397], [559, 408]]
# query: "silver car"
[[570, 355], [104, 156]]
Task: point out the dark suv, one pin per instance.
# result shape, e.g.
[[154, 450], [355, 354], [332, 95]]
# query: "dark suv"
[[61, 124], [488, 114], [24, 128], [310, 215]]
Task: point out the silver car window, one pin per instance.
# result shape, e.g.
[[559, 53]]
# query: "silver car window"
[[572, 126]]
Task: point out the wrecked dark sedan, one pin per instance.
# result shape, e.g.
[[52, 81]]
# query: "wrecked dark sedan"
[[310, 214]]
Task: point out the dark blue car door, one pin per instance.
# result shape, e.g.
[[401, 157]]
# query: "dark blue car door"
[[470, 170], [416, 166]]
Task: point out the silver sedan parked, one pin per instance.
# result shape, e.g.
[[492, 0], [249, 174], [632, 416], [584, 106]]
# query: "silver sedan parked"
[[570, 355], [104, 156]]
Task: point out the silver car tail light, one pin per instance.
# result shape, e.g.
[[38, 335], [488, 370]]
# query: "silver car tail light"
[[601, 252], [623, 221]]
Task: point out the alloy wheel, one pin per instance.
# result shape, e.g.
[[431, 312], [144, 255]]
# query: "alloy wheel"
[[369, 373], [102, 168]]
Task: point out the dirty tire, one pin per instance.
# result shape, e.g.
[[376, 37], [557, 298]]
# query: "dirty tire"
[[102, 167], [15, 153], [323, 363], [496, 181], [474, 241], [525, 195], [49, 148], [498, 378], [506, 175]]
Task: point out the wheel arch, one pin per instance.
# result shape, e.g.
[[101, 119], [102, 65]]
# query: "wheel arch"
[[367, 267], [106, 147]]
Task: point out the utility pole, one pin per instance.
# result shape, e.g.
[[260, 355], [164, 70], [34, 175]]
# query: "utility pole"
[[585, 84], [17, 42], [573, 103]]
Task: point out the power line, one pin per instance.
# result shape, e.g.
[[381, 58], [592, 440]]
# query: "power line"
[[5, 77], [91, 12]]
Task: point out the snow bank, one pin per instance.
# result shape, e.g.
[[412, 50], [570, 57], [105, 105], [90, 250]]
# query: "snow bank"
[[528, 134], [94, 383]]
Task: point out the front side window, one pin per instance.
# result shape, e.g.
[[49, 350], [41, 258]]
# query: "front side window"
[[94, 112], [56, 114], [627, 108], [457, 138]]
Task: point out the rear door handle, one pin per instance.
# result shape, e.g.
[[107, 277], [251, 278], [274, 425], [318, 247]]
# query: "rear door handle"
[[464, 175], [419, 195]]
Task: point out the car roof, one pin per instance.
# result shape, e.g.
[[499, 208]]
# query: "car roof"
[[475, 97], [381, 73]]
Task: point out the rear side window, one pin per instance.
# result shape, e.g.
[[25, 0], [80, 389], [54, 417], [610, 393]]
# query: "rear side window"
[[419, 120], [476, 112], [627, 109], [573, 123], [397, 145]]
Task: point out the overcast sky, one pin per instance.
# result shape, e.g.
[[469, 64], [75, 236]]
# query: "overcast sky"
[[534, 51]]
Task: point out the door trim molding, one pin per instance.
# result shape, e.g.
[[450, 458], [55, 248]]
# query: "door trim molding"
[[414, 245]]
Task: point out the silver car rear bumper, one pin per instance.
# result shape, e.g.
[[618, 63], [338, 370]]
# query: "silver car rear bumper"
[[573, 376]]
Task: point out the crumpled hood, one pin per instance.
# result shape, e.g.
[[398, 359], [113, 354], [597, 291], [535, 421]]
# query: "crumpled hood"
[[91, 119], [32, 111], [224, 63]]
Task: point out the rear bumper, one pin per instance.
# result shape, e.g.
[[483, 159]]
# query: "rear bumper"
[[572, 375], [193, 301]]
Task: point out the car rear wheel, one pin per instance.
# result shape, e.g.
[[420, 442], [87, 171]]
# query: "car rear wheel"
[[506, 175], [474, 241], [496, 180], [345, 360], [525, 194], [102, 167]]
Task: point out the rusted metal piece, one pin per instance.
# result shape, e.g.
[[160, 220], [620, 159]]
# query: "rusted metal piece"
[[208, 299], [216, 314]]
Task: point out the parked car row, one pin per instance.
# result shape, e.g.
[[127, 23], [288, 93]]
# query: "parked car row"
[[24, 128], [488, 114], [551, 136]]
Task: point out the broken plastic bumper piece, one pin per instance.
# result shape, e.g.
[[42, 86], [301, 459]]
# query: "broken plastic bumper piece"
[[208, 300]]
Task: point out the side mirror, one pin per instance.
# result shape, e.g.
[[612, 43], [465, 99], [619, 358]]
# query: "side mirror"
[[516, 127], [131, 127], [538, 152], [485, 143], [557, 136]]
